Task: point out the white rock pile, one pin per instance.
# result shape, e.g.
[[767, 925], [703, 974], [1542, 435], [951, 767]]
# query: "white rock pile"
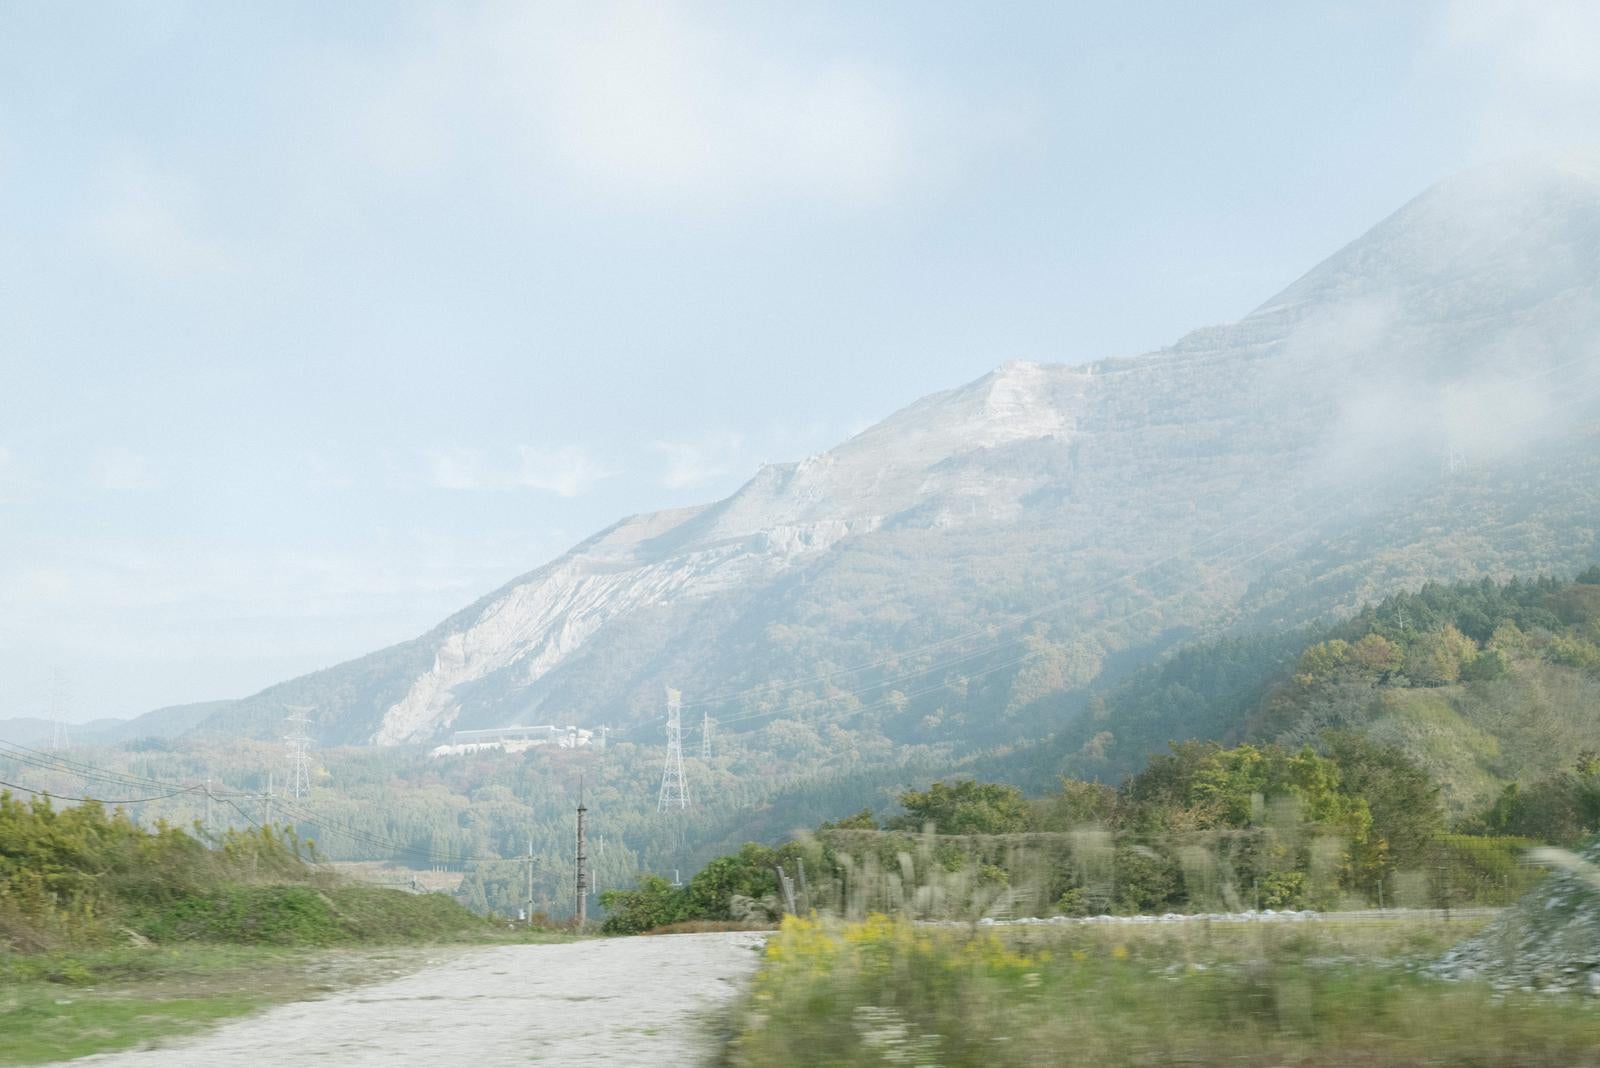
[[1549, 941]]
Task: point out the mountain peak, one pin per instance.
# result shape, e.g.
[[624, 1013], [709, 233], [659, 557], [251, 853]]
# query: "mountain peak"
[[1036, 482], [1495, 238]]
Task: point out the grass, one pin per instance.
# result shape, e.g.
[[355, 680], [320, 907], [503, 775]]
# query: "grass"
[[60, 1005], [56, 1006], [1315, 995], [308, 915]]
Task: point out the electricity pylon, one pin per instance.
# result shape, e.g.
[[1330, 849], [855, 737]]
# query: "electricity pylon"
[[705, 735], [60, 738], [674, 790], [298, 742]]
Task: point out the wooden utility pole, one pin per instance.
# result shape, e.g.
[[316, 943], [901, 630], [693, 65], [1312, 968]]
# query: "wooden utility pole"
[[583, 875], [530, 880]]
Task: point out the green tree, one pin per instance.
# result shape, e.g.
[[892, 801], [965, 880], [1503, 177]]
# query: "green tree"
[[750, 873], [965, 807], [653, 903]]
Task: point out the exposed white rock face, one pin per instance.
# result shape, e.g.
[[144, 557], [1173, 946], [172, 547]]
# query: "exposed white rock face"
[[1373, 355], [536, 624], [1459, 330], [786, 512]]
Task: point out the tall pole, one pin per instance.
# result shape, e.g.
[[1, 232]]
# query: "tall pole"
[[583, 876], [298, 741], [674, 791], [530, 880]]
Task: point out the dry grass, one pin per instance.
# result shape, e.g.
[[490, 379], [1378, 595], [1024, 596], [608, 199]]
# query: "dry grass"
[[886, 992]]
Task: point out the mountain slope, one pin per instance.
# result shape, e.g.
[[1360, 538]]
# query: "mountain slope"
[[1420, 405]]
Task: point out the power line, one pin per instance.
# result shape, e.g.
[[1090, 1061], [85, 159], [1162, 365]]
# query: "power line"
[[96, 800], [78, 769], [49, 762], [29, 755]]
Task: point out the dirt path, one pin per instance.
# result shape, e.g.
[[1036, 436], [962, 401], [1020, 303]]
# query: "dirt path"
[[619, 1001]]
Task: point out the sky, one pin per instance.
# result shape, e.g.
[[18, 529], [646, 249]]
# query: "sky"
[[317, 322]]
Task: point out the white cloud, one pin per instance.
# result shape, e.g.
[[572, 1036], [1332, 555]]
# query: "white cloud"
[[1537, 63], [694, 463], [652, 97], [640, 101], [8, 475], [121, 470], [568, 471], [456, 468], [145, 219]]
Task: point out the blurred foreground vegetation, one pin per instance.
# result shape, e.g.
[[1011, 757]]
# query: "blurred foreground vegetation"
[[883, 991], [1346, 825], [83, 876], [1491, 689], [112, 934]]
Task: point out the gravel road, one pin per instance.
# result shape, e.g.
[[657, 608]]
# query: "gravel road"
[[615, 1001]]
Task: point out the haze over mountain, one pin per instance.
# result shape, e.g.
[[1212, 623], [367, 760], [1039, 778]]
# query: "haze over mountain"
[[1420, 405]]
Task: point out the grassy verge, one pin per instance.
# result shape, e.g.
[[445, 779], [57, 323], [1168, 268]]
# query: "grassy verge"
[[61, 1005], [1314, 995], [56, 1006]]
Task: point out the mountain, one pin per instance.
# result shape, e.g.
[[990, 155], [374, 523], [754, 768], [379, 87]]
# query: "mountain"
[[37, 731], [1421, 405]]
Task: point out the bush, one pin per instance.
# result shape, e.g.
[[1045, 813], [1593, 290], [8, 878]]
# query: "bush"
[[653, 903], [82, 875]]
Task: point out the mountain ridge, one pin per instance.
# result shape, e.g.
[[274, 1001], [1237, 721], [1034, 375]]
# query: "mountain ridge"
[[1423, 346]]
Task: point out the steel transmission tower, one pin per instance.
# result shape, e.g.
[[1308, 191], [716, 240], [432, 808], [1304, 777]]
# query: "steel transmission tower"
[[674, 791], [60, 738], [298, 741], [705, 735]]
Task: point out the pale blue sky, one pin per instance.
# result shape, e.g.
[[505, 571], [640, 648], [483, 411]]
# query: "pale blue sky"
[[319, 320]]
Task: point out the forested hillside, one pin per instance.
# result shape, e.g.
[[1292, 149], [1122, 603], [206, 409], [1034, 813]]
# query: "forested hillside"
[[1419, 406], [1483, 683], [1487, 686]]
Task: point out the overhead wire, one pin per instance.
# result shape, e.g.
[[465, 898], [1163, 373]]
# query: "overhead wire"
[[63, 765], [97, 800]]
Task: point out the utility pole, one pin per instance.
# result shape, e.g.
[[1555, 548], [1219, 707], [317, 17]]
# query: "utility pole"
[[674, 791], [268, 821], [530, 880], [208, 804], [583, 875]]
